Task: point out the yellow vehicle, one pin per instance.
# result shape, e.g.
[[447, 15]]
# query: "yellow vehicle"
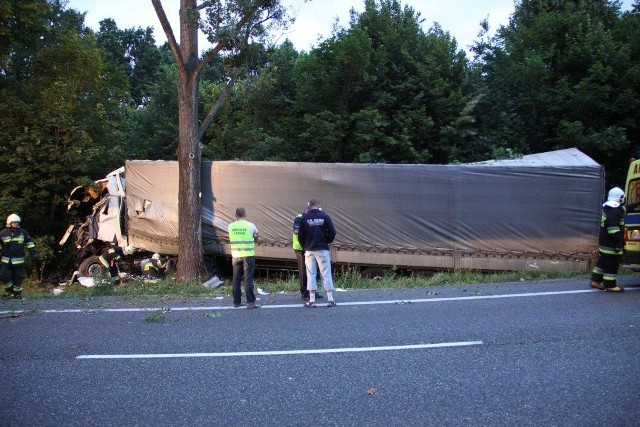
[[631, 258]]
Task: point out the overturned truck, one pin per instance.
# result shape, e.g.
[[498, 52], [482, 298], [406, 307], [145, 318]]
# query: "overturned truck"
[[538, 212]]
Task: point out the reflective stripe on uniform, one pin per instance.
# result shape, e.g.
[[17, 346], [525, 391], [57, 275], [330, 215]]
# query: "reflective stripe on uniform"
[[12, 261], [609, 251]]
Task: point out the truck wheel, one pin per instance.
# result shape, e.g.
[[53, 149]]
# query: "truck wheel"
[[90, 267], [374, 272]]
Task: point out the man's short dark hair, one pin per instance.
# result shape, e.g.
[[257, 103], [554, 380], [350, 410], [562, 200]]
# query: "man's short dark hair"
[[240, 213], [313, 204]]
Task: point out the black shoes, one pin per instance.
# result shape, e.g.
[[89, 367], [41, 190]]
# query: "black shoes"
[[249, 305], [12, 295], [600, 286]]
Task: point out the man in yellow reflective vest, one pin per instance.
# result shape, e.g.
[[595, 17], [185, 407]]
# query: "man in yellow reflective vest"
[[243, 236]]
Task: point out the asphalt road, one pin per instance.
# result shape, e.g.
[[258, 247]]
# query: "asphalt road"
[[553, 353]]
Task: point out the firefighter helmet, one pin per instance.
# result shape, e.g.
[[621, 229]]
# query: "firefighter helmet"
[[12, 218], [155, 256], [616, 195], [128, 250]]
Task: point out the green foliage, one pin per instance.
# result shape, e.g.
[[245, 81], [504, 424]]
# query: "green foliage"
[[45, 253], [154, 128], [161, 292], [61, 117], [132, 52], [20, 23], [382, 90], [158, 316], [558, 76]]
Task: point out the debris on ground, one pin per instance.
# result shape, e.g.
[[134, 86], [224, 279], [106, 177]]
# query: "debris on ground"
[[214, 282]]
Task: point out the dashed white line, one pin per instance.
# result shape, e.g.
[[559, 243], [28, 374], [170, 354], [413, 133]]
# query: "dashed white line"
[[279, 352]]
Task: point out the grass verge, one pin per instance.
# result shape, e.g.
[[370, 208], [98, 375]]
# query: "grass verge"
[[348, 279]]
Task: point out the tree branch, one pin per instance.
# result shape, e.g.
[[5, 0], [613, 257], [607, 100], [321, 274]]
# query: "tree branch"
[[218, 105], [223, 43], [204, 4], [250, 12], [166, 27], [210, 55]]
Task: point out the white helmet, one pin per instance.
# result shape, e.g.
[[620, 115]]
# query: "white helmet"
[[128, 250], [12, 218], [155, 256], [616, 195]]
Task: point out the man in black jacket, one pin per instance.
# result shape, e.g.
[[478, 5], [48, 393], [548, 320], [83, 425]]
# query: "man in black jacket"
[[315, 234]]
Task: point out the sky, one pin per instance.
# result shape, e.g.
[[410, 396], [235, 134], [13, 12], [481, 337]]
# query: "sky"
[[315, 19]]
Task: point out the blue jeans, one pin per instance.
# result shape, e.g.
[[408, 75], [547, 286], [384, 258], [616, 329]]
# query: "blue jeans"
[[322, 260], [243, 269]]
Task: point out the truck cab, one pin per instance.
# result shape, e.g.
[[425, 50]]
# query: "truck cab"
[[631, 258]]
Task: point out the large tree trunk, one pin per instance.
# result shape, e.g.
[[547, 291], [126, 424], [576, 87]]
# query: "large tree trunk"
[[189, 202], [190, 66], [189, 150]]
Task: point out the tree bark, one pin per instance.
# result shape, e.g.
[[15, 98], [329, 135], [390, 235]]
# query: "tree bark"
[[189, 201], [189, 149]]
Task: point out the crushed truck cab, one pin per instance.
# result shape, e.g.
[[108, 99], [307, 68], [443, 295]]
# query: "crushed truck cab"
[[98, 217]]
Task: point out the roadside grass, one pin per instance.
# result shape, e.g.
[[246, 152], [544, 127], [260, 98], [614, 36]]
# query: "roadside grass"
[[348, 279], [158, 316]]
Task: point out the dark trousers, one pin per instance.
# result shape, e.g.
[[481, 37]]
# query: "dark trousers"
[[12, 275], [606, 270], [302, 273], [243, 269]]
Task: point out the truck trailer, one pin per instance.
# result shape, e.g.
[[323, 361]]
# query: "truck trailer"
[[537, 212]]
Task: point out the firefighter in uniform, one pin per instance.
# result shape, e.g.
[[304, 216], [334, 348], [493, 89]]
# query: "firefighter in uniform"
[[13, 240], [152, 268], [611, 241], [110, 257]]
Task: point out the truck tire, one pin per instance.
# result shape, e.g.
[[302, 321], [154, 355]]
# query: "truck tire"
[[375, 272], [90, 267]]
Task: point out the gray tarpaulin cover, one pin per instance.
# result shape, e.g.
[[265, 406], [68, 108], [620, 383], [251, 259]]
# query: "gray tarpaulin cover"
[[546, 203]]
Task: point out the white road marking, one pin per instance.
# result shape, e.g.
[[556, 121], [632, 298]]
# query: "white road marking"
[[280, 352], [320, 305]]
